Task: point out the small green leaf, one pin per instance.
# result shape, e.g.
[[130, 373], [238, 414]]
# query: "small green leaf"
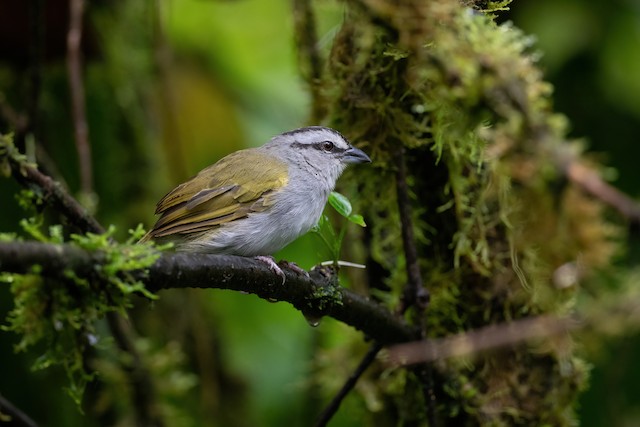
[[357, 219], [340, 203]]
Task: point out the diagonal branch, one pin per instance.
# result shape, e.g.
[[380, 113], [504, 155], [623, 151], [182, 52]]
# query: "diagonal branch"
[[16, 416], [53, 193], [489, 337], [333, 406], [314, 295], [592, 182]]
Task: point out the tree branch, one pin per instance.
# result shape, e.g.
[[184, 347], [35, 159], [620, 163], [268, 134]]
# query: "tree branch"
[[76, 87], [29, 176], [489, 337], [415, 295], [314, 295], [16, 416], [591, 182], [333, 406], [309, 54]]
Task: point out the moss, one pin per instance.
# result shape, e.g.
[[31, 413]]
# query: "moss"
[[492, 215], [59, 316]]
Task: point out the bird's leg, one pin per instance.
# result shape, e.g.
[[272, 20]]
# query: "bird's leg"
[[271, 263]]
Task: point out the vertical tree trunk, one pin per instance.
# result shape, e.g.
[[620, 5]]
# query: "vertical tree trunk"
[[493, 217]]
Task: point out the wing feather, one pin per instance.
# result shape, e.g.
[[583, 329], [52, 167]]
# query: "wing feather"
[[223, 192]]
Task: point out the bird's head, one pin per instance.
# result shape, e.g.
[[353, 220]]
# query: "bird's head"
[[321, 151]]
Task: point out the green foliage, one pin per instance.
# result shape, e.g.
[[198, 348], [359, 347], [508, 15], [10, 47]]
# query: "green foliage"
[[326, 232], [57, 318], [9, 151], [342, 205], [490, 6]]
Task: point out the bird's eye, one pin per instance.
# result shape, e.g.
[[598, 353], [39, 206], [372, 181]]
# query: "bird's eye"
[[327, 146]]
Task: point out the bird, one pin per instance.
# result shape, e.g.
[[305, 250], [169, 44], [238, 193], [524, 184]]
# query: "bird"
[[255, 201]]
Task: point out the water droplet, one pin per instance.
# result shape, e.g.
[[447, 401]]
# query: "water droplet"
[[313, 321]]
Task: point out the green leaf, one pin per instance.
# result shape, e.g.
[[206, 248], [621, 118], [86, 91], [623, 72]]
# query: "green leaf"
[[357, 219], [340, 203]]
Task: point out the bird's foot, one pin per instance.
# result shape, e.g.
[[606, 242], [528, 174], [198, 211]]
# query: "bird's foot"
[[295, 268], [271, 263]]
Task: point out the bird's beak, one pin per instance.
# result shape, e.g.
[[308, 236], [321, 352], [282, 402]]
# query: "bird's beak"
[[355, 155]]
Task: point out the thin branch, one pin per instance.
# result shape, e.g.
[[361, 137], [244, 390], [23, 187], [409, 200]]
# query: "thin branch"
[[414, 295], [36, 54], [53, 193], [76, 87], [591, 182], [482, 339], [315, 295], [309, 54], [611, 317], [333, 406], [16, 416]]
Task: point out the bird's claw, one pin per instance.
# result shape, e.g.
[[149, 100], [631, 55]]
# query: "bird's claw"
[[272, 266], [295, 268]]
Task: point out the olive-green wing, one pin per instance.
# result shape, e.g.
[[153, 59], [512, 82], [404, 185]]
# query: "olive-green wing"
[[230, 189]]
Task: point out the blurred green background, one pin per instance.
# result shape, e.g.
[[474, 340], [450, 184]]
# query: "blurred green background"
[[590, 51], [172, 86]]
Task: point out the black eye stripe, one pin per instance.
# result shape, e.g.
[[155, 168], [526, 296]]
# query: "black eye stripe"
[[323, 146], [319, 146]]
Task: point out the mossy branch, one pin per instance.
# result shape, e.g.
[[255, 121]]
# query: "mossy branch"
[[13, 163], [315, 296]]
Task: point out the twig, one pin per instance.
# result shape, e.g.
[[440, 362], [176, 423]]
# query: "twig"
[[17, 417], [76, 87], [36, 53], [315, 295], [414, 295], [53, 194], [591, 182], [333, 406], [482, 339]]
